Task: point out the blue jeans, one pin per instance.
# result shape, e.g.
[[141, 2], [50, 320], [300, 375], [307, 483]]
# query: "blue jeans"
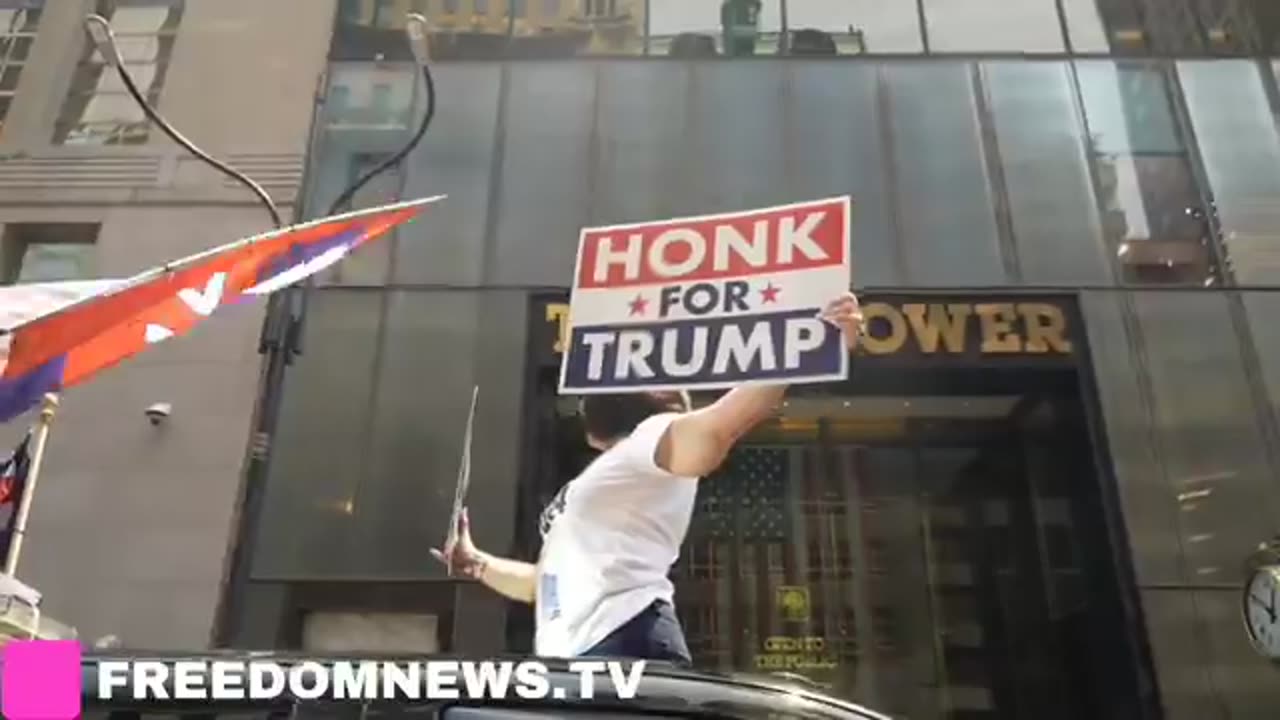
[[654, 634]]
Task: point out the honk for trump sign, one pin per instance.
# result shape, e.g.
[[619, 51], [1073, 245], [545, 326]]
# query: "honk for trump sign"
[[709, 302]]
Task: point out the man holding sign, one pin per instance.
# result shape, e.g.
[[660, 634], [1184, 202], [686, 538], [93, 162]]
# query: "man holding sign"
[[751, 302]]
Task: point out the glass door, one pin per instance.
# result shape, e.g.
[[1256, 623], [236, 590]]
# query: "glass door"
[[934, 557]]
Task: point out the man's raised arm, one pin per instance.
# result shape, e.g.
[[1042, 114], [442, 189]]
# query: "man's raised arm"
[[697, 443]]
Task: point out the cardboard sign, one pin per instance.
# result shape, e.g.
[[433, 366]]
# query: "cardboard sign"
[[709, 302]]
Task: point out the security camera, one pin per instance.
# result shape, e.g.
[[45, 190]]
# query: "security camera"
[[159, 412]]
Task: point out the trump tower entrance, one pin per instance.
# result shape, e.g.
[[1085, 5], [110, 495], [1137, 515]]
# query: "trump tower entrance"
[[936, 537]]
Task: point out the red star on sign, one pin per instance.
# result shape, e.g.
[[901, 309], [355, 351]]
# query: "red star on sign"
[[770, 294], [638, 305]]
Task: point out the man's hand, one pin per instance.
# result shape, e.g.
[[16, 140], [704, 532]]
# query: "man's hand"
[[845, 313], [460, 555]]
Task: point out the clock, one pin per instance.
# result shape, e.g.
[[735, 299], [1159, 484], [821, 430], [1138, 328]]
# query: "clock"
[[1261, 600]]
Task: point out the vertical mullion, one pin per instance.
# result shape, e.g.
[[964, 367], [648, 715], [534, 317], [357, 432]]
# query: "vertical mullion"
[[648, 25], [1195, 163], [1095, 175], [889, 170], [924, 27], [1063, 27], [996, 180]]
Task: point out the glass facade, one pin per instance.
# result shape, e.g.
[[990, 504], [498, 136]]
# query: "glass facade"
[[471, 29], [1055, 530]]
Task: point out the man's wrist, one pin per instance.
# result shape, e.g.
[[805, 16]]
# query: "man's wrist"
[[479, 565]]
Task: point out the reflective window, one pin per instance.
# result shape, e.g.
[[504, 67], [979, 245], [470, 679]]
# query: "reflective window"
[[98, 109], [309, 503], [346, 495], [1154, 219], [1170, 26], [1206, 423], [455, 158], [1236, 129], [1238, 27], [735, 128], [731, 27], [640, 165], [1201, 496], [1261, 309], [18, 27], [47, 252], [820, 27], [1150, 509], [1086, 32], [1120, 23], [607, 27], [546, 177], [1267, 20], [460, 29], [367, 97], [1204, 26], [860, 25], [946, 217], [374, 13], [993, 26], [369, 264], [836, 148], [1043, 155], [469, 29]]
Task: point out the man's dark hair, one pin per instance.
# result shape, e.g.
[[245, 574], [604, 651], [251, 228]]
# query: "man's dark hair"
[[612, 417]]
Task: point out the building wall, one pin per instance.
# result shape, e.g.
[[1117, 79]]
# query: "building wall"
[[129, 530], [977, 175]]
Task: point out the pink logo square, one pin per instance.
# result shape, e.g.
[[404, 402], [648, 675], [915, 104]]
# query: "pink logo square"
[[41, 680]]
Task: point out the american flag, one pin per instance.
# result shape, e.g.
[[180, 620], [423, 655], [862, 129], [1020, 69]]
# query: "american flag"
[[746, 499], [13, 483]]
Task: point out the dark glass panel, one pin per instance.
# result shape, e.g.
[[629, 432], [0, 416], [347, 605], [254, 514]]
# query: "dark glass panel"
[[1154, 219], [947, 219], [1236, 130], [1029, 26], [1051, 202]]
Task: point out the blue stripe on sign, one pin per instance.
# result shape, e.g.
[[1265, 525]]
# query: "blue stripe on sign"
[[789, 345]]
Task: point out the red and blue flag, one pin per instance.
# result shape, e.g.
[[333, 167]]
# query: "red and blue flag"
[[67, 345]]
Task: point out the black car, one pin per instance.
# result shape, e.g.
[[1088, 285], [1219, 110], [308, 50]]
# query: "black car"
[[664, 691]]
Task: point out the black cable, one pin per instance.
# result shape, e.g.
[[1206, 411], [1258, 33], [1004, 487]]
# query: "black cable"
[[293, 334], [190, 147], [394, 160]]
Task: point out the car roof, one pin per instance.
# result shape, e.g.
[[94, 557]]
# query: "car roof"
[[663, 687]]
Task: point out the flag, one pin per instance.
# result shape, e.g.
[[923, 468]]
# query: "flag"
[[20, 304], [65, 347], [13, 482], [747, 498]]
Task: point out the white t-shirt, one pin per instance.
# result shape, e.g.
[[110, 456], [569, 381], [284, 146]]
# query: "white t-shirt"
[[609, 539]]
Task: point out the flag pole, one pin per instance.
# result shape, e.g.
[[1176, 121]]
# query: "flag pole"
[[47, 410]]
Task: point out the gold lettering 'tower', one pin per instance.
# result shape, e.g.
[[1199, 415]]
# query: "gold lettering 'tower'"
[[946, 323], [559, 314], [1046, 328], [997, 328], [897, 329]]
